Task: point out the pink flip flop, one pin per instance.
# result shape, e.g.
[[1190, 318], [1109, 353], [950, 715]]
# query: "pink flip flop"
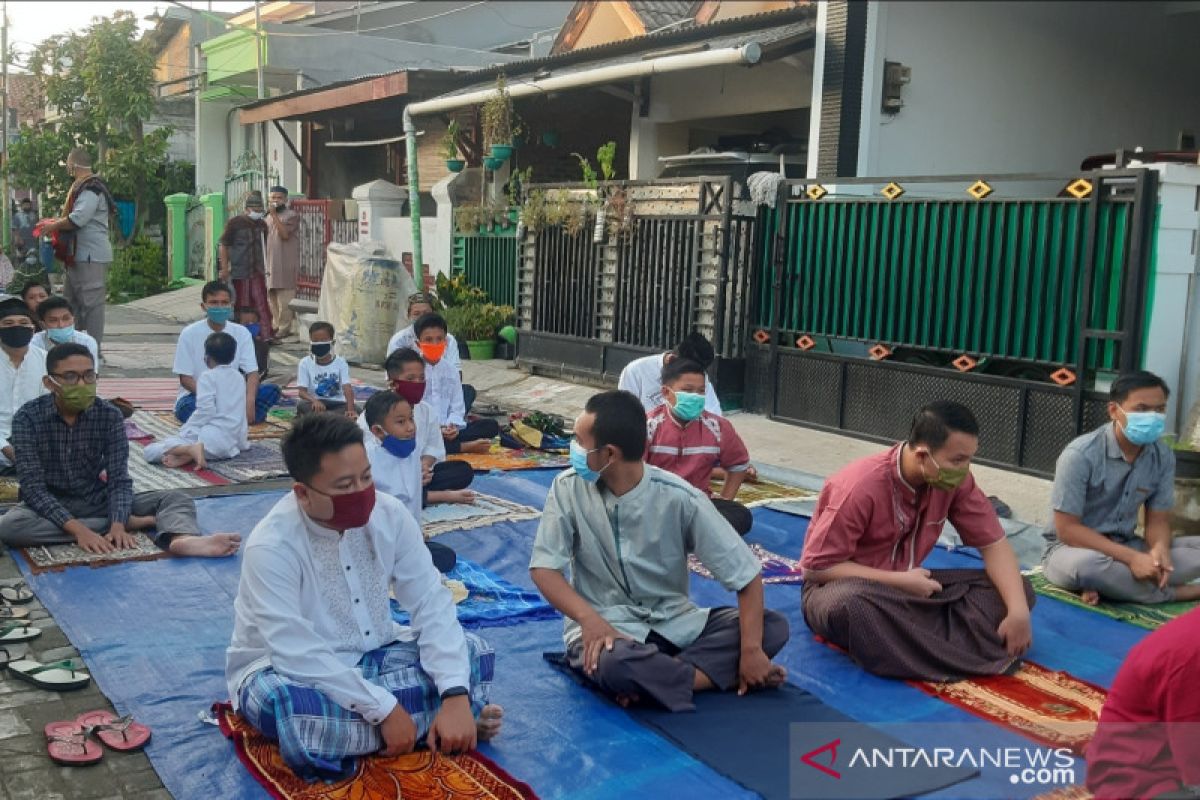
[[117, 733], [67, 744]]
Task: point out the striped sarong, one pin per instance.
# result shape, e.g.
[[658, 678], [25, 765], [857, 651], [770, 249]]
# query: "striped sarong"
[[320, 739]]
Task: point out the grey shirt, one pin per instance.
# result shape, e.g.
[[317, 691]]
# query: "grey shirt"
[[1094, 482], [628, 555], [90, 213]]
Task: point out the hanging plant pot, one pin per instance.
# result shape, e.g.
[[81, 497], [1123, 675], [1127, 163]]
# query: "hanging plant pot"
[[455, 164], [492, 163], [502, 151], [550, 138]]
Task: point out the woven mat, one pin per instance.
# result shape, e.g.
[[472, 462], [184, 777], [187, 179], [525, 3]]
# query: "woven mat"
[[762, 492], [1055, 709], [775, 568], [1145, 616], [503, 458], [263, 461], [9, 489], [486, 510], [57, 557], [149, 477], [163, 424], [420, 775], [149, 393]]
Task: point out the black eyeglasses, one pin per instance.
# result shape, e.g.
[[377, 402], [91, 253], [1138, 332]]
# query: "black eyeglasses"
[[73, 378]]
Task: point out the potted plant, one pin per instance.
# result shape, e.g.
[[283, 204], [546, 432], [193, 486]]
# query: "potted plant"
[[492, 163], [450, 148], [497, 115], [477, 324]]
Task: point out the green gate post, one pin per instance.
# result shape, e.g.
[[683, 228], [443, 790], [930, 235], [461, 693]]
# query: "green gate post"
[[177, 244], [214, 226]]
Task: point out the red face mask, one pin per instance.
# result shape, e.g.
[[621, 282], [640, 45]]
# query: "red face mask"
[[433, 352], [351, 510], [412, 391]]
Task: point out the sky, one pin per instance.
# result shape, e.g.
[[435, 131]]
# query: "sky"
[[31, 21]]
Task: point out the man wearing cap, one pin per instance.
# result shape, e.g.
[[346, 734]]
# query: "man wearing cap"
[[283, 259], [86, 214], [22, 367], [242, 254]]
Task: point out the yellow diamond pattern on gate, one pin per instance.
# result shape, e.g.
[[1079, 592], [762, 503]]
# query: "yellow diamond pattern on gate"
[[1079, 188], [979, 190], [892, 190]]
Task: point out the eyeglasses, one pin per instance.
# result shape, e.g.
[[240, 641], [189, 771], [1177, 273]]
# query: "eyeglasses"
[[73, 378]]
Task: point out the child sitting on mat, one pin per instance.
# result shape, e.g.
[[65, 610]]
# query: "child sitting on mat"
[[217, 428], [324, 378], [444, 391]]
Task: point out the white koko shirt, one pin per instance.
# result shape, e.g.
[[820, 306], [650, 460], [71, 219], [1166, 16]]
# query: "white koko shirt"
[[643, 377]]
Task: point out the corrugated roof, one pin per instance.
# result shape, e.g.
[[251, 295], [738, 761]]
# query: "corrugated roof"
[[656, 14]]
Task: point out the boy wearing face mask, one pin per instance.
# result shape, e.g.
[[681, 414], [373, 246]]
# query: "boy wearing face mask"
[[22, 368], [324, 378], [1101, 481], [686, 439], [876, 521], [58, 327], [444, 392]]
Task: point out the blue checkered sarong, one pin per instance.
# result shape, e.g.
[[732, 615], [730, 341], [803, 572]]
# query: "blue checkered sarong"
[[320, 739], [268, 396]]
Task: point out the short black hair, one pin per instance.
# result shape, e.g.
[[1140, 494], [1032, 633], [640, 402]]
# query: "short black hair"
[[51, 304], [427, 321], [311, 438], [25, 289], [321, 326], [676, 368], [399, 357], [696, 348], [213, 287], [1129, 382], [220, 347], [61, 352], [934, 423], [620, 420], [241, 310], [379, 406]]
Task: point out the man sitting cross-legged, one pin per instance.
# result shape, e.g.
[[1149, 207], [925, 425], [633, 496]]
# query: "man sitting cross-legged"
[[22, 371], [625, 529], [316, 661], [1102, 480], [72, 463], [876, 521]]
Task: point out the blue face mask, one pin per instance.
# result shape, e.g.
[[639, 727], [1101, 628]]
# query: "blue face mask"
[[219, 315], [253, 327], [60, 335], [1143, 427], [688, 406], [400, 448], [579, 459]]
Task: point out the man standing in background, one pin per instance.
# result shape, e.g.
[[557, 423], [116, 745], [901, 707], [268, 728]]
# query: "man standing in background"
[[241, 251], [283, 259]]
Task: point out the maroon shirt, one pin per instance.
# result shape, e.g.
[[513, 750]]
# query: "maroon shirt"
[[1134, 754], [867, 513], [692, 449]]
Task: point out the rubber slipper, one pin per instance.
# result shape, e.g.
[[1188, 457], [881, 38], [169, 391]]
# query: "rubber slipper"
[[61, 676], [18, 632], [117, 733], [67, 744], [8, 654], [17, 593], [13, 612]]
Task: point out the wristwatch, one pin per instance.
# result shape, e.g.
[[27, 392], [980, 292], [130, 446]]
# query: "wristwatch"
[[455, 691]]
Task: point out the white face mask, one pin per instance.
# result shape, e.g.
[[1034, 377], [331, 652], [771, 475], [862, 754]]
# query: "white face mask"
[[254, 214]]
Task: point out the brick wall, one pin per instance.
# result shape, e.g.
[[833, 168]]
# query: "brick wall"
[[173, 61]]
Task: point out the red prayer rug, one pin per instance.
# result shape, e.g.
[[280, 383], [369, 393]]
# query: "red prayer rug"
[[1067, 793], [420, 775]]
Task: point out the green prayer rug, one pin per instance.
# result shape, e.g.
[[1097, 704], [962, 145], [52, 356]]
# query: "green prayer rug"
[[1140, 614]]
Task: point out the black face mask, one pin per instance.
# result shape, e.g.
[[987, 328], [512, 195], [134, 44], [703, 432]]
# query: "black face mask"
[[17, 336], [281, 207], [321, 349]]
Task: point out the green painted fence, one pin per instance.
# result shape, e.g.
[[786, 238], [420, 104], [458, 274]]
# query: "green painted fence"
[[489, 260]]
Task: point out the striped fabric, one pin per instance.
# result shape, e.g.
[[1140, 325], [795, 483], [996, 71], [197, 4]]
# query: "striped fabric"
[[320, 739]]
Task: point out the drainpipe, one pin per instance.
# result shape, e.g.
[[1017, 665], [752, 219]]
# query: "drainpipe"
[[746, 55], [414, 196]]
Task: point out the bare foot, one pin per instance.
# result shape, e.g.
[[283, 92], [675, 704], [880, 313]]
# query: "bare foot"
[[477, 446], [1187, 593], [215, 545], [752, 474], [196, 453], [1090, 596], [489, 722], [175, 460], [460, 496], [139, 523]]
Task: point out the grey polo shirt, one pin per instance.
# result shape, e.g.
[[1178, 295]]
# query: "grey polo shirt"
[[90, 213], [1094, 482], [628, 555]]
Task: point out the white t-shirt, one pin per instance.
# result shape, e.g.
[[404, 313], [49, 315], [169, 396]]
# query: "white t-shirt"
[[40, 339], [189, 352], [399, 477], [324, 381], [643, 377], [408, 338]]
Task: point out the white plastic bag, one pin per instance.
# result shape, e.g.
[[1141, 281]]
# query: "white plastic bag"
[[363, 292]]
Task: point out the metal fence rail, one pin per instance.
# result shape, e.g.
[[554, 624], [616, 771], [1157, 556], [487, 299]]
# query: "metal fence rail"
[[565, 284], [489, 261]]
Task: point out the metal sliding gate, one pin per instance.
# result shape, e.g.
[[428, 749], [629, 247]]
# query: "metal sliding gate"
[[870, 302]]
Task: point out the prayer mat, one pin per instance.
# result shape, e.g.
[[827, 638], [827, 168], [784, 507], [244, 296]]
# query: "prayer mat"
[[774, 727], [503, 458], [135, 434], [264, 460], [486, 510], [149, 477], [775, 568], [282, 413], [1143, 615], [9, 489], [148, 393], [56, 557], [491, 600], [1052, 708], [1067, 793], [763, 492], [421, 775]]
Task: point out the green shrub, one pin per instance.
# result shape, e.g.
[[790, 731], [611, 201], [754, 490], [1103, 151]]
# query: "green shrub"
[[477, 322], [138, 270]]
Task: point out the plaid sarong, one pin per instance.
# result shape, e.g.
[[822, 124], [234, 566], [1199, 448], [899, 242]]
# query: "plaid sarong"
[[320, 739]]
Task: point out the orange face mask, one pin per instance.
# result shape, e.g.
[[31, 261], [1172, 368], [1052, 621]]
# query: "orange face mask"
[[433, 352]]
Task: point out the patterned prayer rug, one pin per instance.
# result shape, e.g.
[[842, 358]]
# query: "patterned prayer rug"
[[763, 492], [264, 460], [9, 489], [503, 458], [149, 477], [148, 393], [135, 434], [775, 568], [56, 557], [163, 424], [421, 775], [1067, 793], [1142, 615], [491, 601], [486, 510], [1052, 708]]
